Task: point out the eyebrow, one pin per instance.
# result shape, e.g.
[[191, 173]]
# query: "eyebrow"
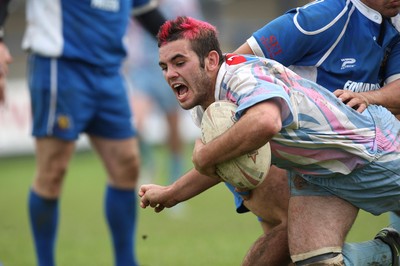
[[177, 56]]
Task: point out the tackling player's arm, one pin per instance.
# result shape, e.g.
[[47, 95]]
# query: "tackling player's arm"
[[149, 17], [5, 56], [388, 96], [244, 49]]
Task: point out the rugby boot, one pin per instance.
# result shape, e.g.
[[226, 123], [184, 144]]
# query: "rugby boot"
[[392, 238]]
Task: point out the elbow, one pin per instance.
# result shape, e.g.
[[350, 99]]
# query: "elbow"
[[276, 127], [271, 127]]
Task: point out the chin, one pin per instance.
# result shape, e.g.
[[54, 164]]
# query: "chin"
[[185, 106]]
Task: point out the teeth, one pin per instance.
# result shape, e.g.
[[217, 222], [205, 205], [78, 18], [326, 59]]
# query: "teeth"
[[177, 85]]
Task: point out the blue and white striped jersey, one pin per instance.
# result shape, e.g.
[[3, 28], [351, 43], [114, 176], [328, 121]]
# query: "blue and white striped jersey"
[[320, 135], [88, 30], [340, 44]]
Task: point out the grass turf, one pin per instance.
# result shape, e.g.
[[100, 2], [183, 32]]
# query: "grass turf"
[[203, 231]]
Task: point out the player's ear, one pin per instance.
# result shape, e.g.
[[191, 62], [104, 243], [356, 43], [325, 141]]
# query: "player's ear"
[[212, 61]]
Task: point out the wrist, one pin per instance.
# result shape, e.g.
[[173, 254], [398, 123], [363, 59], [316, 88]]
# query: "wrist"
[[366, 100], [172, 194]]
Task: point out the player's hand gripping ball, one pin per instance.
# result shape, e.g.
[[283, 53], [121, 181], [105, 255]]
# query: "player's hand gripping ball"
[[246, 171]]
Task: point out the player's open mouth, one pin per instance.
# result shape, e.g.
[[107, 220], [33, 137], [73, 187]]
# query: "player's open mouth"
[[180, 89]]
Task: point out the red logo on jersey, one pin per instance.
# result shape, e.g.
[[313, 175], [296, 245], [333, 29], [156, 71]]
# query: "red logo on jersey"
[[234, 59], [272, 45]]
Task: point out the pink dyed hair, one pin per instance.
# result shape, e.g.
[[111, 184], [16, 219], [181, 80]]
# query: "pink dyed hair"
[[201, 34], [184, 28]]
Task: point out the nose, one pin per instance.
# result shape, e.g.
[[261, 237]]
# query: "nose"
[[170, 73]]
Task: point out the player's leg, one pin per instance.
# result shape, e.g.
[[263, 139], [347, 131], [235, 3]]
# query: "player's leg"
[[55, 126], [379, 193], [114, 137], [142, 106], [274, 195], [382, 250], [394, 217], [121, 159], [331, 215], [52, 157], [166, 101], [317, 228], [269, 249], [269, 202], [272, 247], [175, 146]]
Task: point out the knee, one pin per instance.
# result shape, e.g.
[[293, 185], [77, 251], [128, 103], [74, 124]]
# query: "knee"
[[330, 256], [125, 172], [131, 162], [49, 179]]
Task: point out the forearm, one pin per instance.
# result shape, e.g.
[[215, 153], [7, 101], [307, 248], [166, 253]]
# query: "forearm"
[[186, 187], [151, 20], [190, 185], [388, 96]]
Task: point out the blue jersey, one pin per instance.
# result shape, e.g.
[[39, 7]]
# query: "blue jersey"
[[91, 31], [340, 44]]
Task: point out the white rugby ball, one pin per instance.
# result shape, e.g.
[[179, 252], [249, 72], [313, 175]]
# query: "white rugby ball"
[[247, 171]]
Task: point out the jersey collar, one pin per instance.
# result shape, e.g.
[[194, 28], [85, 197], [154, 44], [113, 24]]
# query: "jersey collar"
[[368, 12], [218, 83]]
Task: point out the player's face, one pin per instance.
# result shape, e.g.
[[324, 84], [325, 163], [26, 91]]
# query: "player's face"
[[387, 8], [181, 68]]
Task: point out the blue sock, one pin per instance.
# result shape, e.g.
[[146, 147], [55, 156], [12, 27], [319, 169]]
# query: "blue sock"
[[43, 214], [394, 221], [120, 211], [373, 252]]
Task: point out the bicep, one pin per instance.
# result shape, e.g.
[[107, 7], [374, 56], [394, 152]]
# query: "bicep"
[[244, 49]]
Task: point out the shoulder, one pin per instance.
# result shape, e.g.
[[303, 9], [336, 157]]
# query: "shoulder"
[[237, 66], [321, 15], [235, 59]]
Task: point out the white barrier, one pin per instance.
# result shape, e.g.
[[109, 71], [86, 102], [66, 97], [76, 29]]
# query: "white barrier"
[[16, 122]]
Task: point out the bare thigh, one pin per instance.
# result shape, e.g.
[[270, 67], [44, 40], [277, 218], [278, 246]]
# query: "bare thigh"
[[270, 200], [318, 221], [52, 158], [121, 160]]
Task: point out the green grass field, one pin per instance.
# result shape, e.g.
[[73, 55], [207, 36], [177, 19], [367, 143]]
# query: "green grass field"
[[206, 231]]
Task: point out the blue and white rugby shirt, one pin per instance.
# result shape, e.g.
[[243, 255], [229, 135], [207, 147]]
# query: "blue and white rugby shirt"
[[87, 30], [336, 43], [320, 135]]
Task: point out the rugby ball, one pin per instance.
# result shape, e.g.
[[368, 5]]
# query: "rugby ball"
[[247, 171]]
